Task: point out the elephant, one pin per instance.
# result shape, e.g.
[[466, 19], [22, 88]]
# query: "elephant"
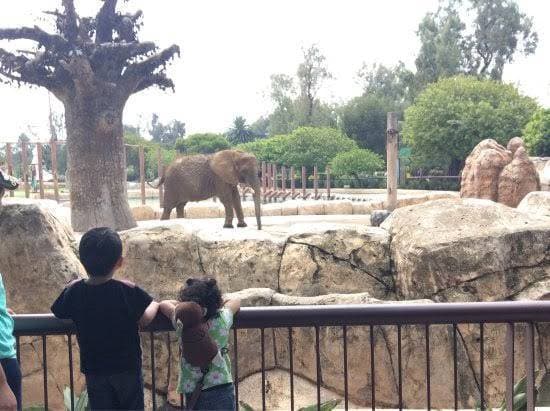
[[199, 177], [7, 183]]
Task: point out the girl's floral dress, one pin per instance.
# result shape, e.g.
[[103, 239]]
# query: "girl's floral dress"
[[220, 369]]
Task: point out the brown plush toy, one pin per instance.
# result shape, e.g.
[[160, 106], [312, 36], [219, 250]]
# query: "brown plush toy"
[[198, 348]]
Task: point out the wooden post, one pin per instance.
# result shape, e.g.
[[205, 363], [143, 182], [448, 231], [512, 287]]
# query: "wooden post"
[[274, 172], [283, 179], [315, 183], [40, 172], [264, 177], [160, 170], [328, 182], [292, 182], [9, 157], [304, 183], [53, 145], [392, 152], [24, 167], [142, 173]]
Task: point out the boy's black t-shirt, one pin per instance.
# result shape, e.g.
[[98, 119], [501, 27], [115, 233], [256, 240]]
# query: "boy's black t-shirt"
[[106, 318]]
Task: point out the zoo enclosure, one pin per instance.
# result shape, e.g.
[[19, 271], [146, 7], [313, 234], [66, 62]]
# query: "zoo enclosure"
[[345, 316]]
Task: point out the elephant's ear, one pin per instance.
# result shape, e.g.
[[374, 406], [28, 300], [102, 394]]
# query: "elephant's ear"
[[223, 165]]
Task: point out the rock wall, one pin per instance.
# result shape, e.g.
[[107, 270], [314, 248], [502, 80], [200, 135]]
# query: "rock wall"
[[445, 250]]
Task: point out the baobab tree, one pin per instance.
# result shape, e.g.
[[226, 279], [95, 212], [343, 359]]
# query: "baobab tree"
[[92, 65]]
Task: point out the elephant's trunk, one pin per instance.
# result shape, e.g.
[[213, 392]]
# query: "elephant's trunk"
[[257, 206]]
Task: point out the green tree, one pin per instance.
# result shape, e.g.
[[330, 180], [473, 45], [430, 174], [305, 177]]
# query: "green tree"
[[356, 163], [310, 146], [240, 132], [260, 128], [166, 134], [311, 74], [497, 32], [270, 149], [451, 116], [283, 94], [393, 83], [364, 120], [536, 133], [202, 143]]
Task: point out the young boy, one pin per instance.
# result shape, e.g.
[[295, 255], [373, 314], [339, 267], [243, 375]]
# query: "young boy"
[[107, 314]]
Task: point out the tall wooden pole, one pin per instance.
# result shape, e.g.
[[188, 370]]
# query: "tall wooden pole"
[[392, 152], [25, 168], [160, 173], [304, 182], [53, 145], [315, 183], [40, 172], [9, 157], [142, 173]]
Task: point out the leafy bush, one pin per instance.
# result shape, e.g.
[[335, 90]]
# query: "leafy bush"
[[536, 133], [305, 146], [356, 162], [451, 116], [203, 143]]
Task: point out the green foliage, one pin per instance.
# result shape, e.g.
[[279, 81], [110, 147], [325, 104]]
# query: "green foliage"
[[356, 162], [202, 143], [270, 149], [132, 137], [240, 132], [497, 32], [395, 84], [80, 402], [451, 116], [305, 146], [536, 133], [309, 146], [166, 134], [364, 120]]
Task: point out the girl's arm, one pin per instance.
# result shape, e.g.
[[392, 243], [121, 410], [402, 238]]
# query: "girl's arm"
[[233, 305], [167, 307], [149, 314]]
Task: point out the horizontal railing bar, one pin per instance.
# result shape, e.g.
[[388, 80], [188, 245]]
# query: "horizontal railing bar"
[[331, 315]]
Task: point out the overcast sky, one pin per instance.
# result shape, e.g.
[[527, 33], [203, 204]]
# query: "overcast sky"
[[230, 49]]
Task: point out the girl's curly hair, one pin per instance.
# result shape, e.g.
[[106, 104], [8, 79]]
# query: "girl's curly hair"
[[204, 292]]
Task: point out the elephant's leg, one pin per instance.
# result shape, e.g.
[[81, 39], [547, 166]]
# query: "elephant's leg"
[[166, 211], [179, 209], [238, 207], [228, 205]]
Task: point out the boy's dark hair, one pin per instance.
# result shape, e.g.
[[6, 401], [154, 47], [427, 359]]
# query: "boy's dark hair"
[[100, 249], [204, 292]]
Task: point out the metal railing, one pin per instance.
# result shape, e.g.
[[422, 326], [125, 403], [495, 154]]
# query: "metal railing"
[[370, 316]]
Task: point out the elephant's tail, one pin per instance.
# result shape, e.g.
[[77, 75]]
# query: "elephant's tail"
[[161, 182]]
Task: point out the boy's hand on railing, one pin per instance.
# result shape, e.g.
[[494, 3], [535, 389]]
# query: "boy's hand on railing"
[[10, 311]]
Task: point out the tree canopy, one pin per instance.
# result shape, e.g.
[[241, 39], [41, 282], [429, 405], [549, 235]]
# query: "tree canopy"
[[536, 133], [166, 134], [240, 132], [356, 162], [202, 143], [451, 116]]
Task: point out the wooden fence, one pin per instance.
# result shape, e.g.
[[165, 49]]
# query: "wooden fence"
[[277, 182]]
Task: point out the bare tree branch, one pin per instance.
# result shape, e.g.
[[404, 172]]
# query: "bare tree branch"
[[70, 25], [105, 21], [121, 51], [37, 34]]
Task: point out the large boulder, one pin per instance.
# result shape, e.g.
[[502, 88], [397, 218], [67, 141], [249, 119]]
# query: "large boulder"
[[466, 250], [37, 259], [536, 203], [493, 172]]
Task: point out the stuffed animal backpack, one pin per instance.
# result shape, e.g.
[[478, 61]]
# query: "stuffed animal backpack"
[[197, 348]]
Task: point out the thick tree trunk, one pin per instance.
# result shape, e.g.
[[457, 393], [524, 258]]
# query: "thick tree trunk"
[[97, 162]]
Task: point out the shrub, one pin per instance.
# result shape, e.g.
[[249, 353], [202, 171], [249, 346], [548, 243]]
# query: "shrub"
[[356, 162], [536, 133], [203, 143]]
